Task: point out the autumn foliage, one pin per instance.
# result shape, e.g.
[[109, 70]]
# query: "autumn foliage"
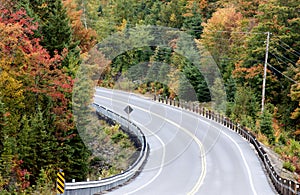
[[32, 83]]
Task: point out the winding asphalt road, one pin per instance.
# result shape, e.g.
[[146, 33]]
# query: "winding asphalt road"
[[188, 153]]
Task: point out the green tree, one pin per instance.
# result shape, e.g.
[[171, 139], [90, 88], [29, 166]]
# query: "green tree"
[[192, 21], [282, 20], [266, 126], [218, 95], [245, 104], [186, 91], [171, 14], [294, 94], [197, 80], [55, 29]]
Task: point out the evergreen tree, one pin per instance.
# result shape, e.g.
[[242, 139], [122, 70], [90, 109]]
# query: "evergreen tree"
[[295, 97], [192, 22], [245, 103], [282, 20], [56, 30], [186, 91], [266, 126], [54, 23], [218, 95], [171, 14], [163, 73], [196, 79]]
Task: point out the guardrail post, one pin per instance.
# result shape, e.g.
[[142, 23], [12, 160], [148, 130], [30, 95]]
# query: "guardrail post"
[[282, 185], [291, 189], [285, 191], [227, 121], [85, 187], [222, 119]]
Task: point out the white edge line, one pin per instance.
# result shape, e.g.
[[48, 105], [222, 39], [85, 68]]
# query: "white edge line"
[[203, 170]]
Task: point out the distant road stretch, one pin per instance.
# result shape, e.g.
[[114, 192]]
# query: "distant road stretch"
[[188, 154]]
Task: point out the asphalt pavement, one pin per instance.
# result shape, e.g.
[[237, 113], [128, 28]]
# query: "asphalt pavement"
[[189, 154]]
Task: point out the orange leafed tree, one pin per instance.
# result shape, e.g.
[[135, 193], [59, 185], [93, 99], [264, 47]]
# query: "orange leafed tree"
[[85, 36], [24, 59]]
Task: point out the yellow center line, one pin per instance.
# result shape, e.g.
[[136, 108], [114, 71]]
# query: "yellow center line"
[[201, 148]]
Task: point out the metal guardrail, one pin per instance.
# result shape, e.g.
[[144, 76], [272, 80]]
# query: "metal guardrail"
[[282, 185], [92, 187]]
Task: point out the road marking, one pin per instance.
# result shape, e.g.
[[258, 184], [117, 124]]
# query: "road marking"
[[244, 160], [231, 139], [202, 151], [234, 142], [163, 155], [161, 164]]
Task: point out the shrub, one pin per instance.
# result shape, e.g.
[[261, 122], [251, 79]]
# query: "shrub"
[[289, 166]]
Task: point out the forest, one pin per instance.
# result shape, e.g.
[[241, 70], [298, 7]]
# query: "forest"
[[43, 43]]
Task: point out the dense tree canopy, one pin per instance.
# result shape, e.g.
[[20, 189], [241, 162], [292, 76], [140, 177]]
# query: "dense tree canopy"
[[43, 43]]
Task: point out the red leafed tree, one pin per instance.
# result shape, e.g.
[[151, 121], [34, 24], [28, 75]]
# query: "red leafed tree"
[[42, 77]]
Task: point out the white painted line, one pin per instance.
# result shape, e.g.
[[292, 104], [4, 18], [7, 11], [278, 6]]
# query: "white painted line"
[[161, 164], [201, 148], [163, 155], [244, 160], [228, 136], [236, 144]]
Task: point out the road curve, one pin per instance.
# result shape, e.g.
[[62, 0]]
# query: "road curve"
[[188, 154]]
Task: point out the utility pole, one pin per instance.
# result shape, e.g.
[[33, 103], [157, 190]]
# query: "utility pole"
[[265, 74], [84, 14]]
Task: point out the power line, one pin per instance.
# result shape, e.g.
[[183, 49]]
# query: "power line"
[[288, 50], [283, 57], [279, 59], [289, 78], [232, 39], [234, 32], [288, 46]]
